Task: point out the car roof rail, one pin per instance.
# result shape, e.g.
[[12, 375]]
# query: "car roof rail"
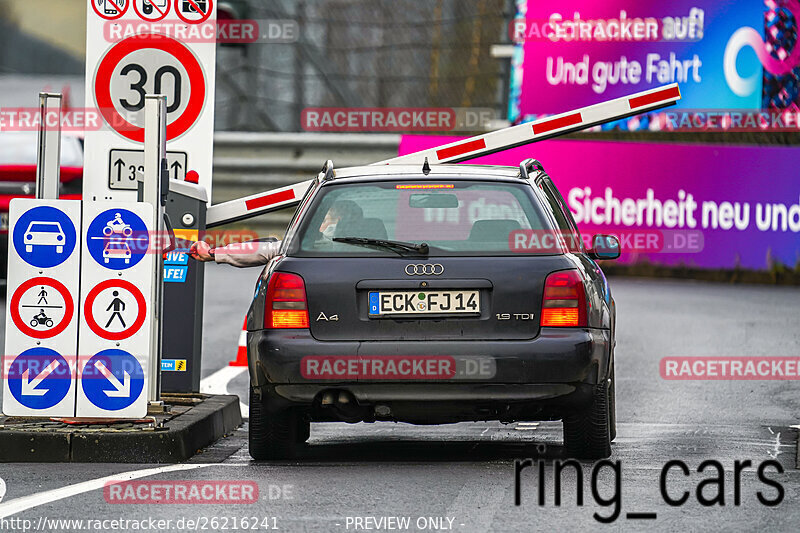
[[526, 166], [327, 170]]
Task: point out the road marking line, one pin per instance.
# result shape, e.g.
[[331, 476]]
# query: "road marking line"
[[24, 503], [217, 383], [478, 500]]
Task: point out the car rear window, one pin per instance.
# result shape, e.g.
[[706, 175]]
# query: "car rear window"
[[452, 217]]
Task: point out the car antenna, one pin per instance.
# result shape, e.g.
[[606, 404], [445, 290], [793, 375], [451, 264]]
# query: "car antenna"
[[426, 168]]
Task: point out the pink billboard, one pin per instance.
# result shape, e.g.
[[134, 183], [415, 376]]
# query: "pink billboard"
[[712, 206], [729, 54]]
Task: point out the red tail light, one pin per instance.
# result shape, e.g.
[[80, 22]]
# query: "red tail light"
[[564, 300], [285, 305]]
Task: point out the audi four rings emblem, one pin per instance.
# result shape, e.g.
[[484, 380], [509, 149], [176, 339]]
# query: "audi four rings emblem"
[[424, 269]]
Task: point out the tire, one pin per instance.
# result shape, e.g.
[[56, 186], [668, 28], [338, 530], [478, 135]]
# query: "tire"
[[272, 435], [49, 323], [34, 323], [587, 433], [303, 430], [28, 248], [59, 249], [612, 405]]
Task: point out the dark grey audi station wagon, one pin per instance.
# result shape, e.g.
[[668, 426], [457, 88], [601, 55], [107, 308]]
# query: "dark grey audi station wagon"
[[432, 295]]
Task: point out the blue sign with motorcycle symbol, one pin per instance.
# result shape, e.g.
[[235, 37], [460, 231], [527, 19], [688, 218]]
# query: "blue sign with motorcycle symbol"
[[117, 239], [44, 237]]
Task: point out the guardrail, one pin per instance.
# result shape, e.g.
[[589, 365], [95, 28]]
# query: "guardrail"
[[246, 163]]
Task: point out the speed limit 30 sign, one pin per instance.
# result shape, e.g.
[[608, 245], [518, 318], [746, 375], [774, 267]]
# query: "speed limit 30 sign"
[[122, 80], [121, 72]]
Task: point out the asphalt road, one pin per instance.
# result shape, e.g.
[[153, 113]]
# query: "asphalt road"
[[461, 477]]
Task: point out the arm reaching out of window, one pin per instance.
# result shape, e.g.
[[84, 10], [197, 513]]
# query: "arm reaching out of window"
[[253, 253]]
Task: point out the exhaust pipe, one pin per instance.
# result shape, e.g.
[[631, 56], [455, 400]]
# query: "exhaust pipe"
[[344, 404]]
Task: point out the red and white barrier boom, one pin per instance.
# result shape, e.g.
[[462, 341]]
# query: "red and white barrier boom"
[[467, 149]]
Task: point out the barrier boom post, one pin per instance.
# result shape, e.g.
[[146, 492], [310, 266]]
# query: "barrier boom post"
[[545, 128]]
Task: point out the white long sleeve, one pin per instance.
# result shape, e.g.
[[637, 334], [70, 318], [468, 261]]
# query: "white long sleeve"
[[248, 254]]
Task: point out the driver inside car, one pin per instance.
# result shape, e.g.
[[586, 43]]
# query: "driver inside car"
[[342, 214]]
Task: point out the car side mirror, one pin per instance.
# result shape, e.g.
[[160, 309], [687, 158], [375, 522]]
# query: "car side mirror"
[[604, 247]]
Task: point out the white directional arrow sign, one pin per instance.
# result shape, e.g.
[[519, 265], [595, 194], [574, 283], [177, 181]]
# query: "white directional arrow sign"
[[29, 388], [122, 390]]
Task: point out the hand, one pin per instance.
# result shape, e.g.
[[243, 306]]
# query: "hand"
[[200, 251]]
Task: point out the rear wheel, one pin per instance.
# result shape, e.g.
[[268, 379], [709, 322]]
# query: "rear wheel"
[[612, 405], [303, 430], [273, 435], [587, 433]]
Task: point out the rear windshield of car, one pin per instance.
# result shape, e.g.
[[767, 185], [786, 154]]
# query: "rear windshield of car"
[[452, 218]]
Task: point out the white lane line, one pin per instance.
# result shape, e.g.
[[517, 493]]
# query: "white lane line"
[[24, 503], [217, 383], [478, 500]]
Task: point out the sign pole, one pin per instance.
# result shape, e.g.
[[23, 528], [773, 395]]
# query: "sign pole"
[[154, 191], [48, 156]]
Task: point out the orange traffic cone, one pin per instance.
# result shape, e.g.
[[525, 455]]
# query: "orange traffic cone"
[[241, 352]]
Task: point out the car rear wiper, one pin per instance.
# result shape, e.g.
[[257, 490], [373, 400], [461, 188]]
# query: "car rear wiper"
[[396, 246]]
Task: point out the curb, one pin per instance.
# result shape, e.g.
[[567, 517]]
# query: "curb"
[[182, 437]]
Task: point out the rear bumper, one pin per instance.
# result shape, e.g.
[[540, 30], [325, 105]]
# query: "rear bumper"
[[538, 378]]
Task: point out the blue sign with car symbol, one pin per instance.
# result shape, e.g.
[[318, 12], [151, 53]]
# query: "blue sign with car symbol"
[[44, 237], [117, 239]]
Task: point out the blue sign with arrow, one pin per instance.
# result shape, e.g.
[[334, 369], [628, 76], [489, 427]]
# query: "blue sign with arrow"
[[44, 236], [39, 378], [112, 379], [117, 239]]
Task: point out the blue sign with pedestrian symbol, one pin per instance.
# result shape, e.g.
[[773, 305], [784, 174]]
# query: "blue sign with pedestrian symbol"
[[117, 239], [44, 237], [39, 378], [112, 379]]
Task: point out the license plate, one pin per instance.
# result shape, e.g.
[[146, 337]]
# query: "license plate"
[[424, 302]]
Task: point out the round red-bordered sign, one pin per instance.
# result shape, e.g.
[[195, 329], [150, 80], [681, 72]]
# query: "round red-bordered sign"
[[156, 11], [196, 5], [69, 308], [102, 85], [104, 15], [125, 333]]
